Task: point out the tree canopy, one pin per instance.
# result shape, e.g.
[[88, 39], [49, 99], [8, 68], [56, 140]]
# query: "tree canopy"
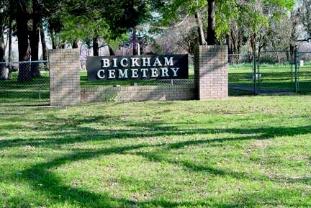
[[68, 22], [252, 14]]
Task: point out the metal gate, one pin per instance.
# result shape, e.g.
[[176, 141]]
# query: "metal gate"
[[271, 72], [276, 72], [19, 87], [303, 66], [241, 77]]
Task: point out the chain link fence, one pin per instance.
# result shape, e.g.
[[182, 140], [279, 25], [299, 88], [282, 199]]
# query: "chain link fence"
[[24, 83], [303, 67], [270, 72]]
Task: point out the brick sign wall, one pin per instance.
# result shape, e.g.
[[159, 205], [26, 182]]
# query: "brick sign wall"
[[211, 81]]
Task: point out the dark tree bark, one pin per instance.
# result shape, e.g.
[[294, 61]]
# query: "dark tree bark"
[[23, 42], [211, 33], [230, 49], [95, 46], [75, 44], [291, 57], [4, 74], [53, 39], [43, 43], [134, 41], [111, 52], [10, 43], [34, 38]]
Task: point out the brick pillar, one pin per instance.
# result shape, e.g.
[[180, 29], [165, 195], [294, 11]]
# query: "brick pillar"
[[64, 65], [211, 72]]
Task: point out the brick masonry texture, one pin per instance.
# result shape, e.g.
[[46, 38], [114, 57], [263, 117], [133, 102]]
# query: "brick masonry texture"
[[211, 66], [138, 93], [210, 82], [64, 67]]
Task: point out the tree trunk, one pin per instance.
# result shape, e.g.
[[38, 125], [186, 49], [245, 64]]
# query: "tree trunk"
[[230, 50], [211, 33], [240, 41], [294, 17], [134, 41], [43, 43], [111, 52], [291, 53], [259, 53], [4, 73], [24, 73], [34, 38], [95, 46], [75, 44], [252, 47], [235, 41], [10, 43], [53, 39], [200, 28]]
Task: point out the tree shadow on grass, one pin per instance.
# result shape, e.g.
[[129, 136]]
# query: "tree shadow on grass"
[[53, 188], [270, 198], [51, 185], [42, 179], [78, 134]]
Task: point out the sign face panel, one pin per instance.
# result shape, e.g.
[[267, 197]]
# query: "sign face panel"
[[137, 67]]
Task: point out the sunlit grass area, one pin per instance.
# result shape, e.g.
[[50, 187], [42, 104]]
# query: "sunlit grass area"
[[271, 77], [239, 152]]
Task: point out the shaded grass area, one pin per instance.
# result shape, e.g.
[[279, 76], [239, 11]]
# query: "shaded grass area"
[[35, 92], [240, 152]]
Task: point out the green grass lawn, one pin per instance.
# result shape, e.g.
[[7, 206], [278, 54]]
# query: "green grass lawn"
[[35, 92], [239, 152], [272, 77]]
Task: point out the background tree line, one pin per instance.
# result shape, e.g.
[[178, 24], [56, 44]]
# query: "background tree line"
[[254, 25], [257, 24], [66, 22]]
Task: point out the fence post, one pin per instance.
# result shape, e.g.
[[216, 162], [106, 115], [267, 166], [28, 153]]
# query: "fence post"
[[64, 65], [211, 72], [254, 73], [296, 60]]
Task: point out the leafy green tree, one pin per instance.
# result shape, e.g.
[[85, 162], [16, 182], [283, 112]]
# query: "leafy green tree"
[[220, 13], [259, 17], [94, 19]]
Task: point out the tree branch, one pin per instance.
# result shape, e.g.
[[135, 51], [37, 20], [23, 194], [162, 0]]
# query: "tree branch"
[[304, 40]]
